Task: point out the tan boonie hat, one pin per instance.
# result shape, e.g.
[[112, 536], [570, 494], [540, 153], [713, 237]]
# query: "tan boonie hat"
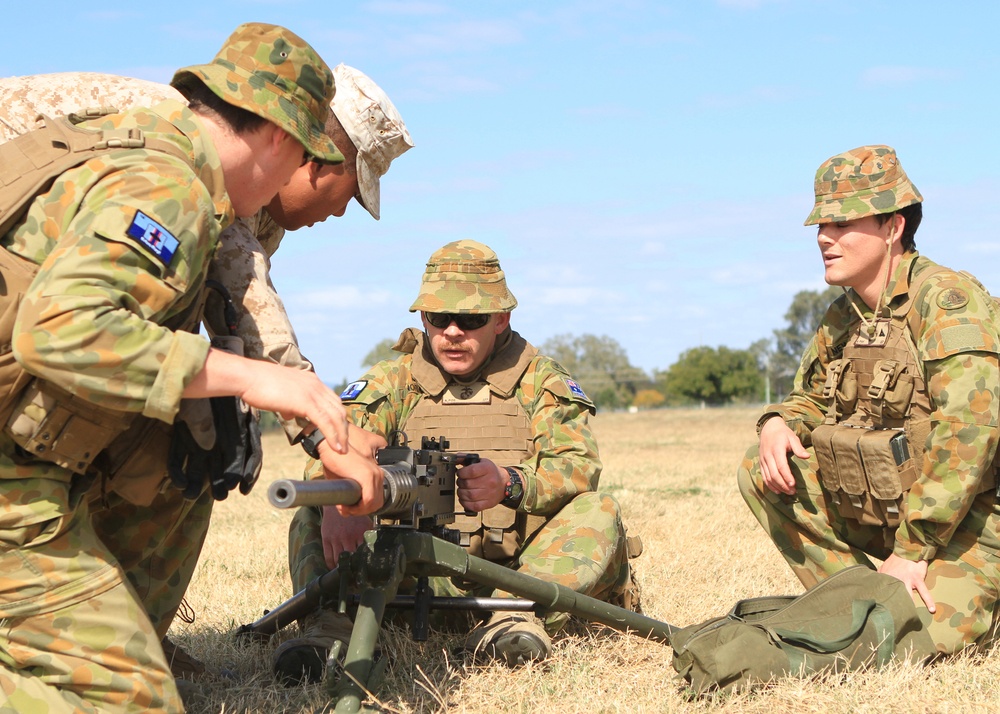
[[464, 277], [274, 73], [375, 127], [861, 182]]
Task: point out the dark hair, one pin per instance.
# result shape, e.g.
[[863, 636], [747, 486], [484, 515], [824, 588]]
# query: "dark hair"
[[203, 100], [912, 214]]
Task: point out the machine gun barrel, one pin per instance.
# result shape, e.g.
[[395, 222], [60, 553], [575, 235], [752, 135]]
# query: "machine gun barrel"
[[418, 486], [289, 493]]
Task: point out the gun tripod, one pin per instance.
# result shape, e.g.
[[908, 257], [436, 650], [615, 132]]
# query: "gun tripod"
[[390, 554]]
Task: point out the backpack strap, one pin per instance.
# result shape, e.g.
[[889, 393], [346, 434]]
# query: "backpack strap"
[[31, 162]]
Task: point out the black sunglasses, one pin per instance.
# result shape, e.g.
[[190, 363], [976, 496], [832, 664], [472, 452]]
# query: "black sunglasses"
[[465, 322]]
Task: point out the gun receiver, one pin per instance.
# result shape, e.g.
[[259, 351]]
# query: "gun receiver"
[[418, 485]]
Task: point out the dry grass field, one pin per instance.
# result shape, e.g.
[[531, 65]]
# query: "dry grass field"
[[673, 472]]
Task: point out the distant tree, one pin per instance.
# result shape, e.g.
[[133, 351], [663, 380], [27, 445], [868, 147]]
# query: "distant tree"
[[715, 376], [648, 399], [803, 316], [383, 350], [600, 365]]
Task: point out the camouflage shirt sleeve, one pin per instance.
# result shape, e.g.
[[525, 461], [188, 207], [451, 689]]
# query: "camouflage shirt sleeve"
[[380, 401], [22, 99], [242, 264], [92, 320], [959, 349], [565, 460]]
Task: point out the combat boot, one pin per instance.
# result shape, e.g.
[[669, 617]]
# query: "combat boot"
[[303, 658], [514, 638], [182, 664], [186, 669]]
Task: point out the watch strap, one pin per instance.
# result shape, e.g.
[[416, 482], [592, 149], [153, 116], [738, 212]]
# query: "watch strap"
[[310, 443], [513, 492]]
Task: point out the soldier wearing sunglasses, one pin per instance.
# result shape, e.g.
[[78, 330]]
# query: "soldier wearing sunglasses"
[[468, 377]]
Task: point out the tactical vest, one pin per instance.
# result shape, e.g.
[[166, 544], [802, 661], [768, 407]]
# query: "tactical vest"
[[870, 447], [483, 417], [46, 421]]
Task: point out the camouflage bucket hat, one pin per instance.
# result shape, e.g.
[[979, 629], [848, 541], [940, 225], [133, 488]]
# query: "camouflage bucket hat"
[[275, 74], [862, 182], [375, 128], [464, 277]]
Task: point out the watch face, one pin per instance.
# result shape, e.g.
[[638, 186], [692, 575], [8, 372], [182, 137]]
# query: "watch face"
[[514, 487]]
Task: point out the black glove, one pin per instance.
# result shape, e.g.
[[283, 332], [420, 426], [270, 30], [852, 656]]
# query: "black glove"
[[188, 464], [234, 460], [238, 433]]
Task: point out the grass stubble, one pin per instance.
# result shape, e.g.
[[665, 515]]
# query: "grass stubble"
[[673, 471]]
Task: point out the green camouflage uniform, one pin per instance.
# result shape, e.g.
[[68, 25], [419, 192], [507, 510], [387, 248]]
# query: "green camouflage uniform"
[[123, 243], [949, 516], [581, 543], [160, 567]]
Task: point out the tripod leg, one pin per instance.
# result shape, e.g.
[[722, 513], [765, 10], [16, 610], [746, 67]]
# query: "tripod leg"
[[353, 684], [421, 610]]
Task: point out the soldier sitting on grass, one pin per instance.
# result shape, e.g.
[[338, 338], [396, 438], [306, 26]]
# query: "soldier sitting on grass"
[[470, 378]]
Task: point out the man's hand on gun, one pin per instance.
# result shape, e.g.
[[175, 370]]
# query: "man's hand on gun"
[[481, 485], [341, 533], [359, 465]]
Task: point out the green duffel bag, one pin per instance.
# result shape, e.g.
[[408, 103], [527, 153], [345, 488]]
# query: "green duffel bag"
[[855, 618]]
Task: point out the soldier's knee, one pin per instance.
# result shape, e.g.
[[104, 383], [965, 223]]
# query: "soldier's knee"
[[599, 507], [748, 477]]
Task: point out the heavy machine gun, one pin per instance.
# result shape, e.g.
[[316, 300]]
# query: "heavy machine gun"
[[411, 539]]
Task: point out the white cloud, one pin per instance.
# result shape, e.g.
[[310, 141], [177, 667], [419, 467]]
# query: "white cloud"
[[458, 37], [902, 74], [763, 94], [341, 297]]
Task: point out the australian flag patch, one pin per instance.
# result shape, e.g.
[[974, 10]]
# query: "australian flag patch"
[[576, 389], [160, 242], [353, 390]]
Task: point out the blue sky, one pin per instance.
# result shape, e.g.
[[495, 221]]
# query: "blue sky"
[[641, 168]]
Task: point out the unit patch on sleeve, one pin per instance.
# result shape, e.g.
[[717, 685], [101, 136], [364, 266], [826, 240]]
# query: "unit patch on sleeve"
[[353, 390], [160, 242], [952, 299], [576, 389]]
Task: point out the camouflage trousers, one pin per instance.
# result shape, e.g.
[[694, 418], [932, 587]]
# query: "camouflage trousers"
[[74, 637], [157, 546], [816, 541], [582, 547]]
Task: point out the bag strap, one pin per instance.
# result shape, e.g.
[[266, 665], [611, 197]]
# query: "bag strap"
[[31, 162], [753, 609], [862, 611]]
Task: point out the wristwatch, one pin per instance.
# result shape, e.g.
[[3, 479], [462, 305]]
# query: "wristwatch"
[[310, 443], [513, 492]]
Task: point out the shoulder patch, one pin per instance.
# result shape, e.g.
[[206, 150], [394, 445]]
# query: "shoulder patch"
[[353, 390], [157, 239], [952, 299], [576, 389]]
